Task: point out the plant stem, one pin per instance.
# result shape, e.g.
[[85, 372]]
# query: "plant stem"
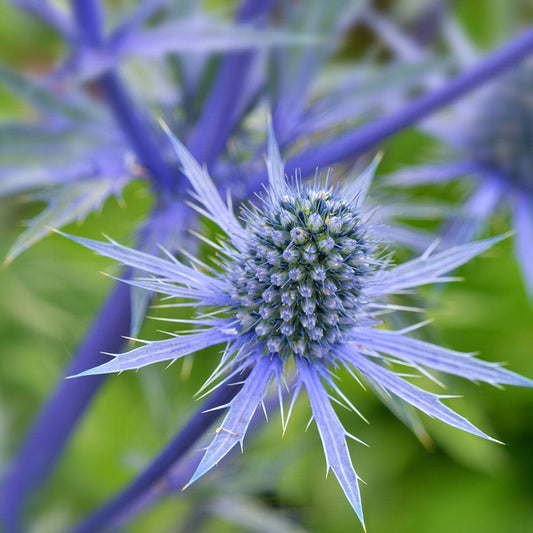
[[175, 449], [50, 430], [213, 127], [217, 118], [137, 132], [355, 143], [88, 16]]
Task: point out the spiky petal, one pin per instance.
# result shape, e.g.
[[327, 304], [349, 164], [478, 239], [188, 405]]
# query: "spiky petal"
[[157, 351], [425, 401], [240, 412], [332, 434], [417, 352]]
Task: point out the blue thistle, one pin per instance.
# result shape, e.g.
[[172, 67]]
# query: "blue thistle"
[[492, 149], [298, 284], [302, 283], [501, 133], [498, 148]]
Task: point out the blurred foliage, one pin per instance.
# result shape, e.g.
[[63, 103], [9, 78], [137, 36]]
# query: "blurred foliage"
[[460, 484]]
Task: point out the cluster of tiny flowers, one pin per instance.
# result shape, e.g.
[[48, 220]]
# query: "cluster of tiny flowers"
[[298, 284], [502, 132]]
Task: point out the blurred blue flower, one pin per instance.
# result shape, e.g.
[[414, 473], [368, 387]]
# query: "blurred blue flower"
[[489, 135], [497, 144], [301, 286]]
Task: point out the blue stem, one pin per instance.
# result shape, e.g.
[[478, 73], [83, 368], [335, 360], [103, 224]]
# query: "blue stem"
[[88, 16], [48, 434], [357, 142], [176, 448], [136, 132], [214, 125]]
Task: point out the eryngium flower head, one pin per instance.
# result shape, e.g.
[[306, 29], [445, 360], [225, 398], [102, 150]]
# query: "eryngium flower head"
[[300, 285], [501, 134]]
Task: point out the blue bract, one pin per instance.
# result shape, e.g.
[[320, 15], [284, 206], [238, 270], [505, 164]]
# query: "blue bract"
[[300, 285]]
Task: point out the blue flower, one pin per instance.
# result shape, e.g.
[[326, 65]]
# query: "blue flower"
[[299, 288], [493, 150]]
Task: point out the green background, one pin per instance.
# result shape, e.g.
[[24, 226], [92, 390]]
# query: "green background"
[[458, 483]]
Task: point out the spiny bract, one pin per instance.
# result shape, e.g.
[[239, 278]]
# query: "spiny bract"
[[301, 280]]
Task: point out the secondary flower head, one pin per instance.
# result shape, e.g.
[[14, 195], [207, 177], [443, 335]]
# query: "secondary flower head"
[[300, 285], [491, 135], [497, 148], [501, 133]]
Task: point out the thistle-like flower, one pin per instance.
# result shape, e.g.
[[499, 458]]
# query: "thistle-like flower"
[[299, 289], [500, 134], [492, 148]]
